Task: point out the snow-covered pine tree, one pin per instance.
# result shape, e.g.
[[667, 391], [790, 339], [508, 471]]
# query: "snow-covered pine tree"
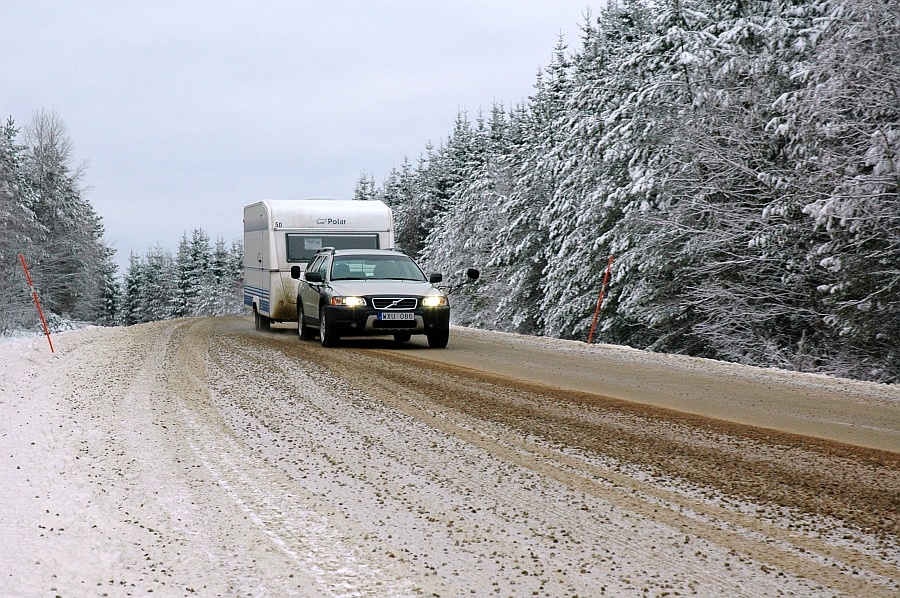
[[399, 192], [365, 188], [44, 216], [19, 231], [133, 289], [600, 129], [466, 233], [845, 138], [737, 236], [515, 272]]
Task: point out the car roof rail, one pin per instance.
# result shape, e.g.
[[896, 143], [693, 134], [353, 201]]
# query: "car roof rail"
[[330, 250]]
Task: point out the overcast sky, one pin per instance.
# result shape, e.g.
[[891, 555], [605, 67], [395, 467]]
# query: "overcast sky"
[[186, 111]]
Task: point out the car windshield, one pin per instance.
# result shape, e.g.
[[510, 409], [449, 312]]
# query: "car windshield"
[[375, 267]]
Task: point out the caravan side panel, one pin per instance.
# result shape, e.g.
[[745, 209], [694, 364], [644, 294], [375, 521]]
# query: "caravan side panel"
[[256, 248]]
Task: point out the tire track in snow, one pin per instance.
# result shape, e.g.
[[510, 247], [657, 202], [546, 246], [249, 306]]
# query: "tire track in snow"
[[304, 535], [324, 546]]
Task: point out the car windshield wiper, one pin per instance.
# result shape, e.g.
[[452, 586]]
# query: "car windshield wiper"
[[398, 278]]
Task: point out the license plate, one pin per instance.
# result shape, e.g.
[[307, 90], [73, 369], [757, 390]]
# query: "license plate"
[[397, 315]]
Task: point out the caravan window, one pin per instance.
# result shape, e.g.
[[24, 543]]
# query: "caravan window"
[[303, 246]]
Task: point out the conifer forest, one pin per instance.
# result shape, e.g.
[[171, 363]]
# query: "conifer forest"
[[45, 216], [740, 160]]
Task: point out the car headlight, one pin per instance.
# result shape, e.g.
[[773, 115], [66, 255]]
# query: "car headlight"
[[434, 301], [348, 301]]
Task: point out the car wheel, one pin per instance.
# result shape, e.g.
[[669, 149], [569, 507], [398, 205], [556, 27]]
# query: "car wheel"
[[303, 331], [326, 334], [402, 337], [439, 338], [260, 321]]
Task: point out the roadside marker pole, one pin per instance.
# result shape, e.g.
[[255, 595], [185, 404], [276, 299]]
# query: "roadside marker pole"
[[37, 303], [600, 298]]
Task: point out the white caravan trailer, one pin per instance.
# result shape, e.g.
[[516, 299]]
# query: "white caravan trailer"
[[279, 234]]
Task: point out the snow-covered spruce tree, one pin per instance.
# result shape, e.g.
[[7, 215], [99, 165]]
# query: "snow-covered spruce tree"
[[72, 268], [663, 69], [201, 280], [162, 283], [739, 158], [762, 149], [236, 273], [844, 135], [183, 303], [365, 188], [223, 283], [690, 280], [700, 166], [419, 196], [110, 293], [151, 284], [131, 302], [201, 259], [436, 179], [599, 136], [19, 230], [736, 226], [515, 273], [192, 263], [549, 157], [399, 191], [465, 234], [219, 297]]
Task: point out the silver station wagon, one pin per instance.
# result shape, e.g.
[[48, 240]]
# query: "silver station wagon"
[[357, 292]]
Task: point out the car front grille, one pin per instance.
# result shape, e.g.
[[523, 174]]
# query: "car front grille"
[[394, 302]]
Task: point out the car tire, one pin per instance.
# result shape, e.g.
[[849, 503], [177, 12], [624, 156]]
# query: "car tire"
[[303, 331], [402, 337], [439, 338], [327, 336]]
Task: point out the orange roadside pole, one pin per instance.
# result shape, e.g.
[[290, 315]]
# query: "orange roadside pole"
[[600, 298], [37, 303]]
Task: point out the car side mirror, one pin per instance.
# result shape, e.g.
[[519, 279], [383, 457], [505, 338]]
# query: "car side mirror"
[[435, 277], [296, 272], [314, 277], [472, 274]]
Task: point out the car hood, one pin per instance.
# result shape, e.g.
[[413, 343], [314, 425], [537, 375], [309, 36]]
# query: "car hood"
[[383, 287]]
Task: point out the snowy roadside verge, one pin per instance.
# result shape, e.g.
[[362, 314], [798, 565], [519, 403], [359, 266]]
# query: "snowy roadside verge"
[[854, 390], [46, 509]]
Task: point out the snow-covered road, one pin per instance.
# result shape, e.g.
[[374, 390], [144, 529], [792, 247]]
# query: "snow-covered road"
[[201, 457]]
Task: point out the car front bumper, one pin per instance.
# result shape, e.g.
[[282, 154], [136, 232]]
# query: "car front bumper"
[[353, 321]]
